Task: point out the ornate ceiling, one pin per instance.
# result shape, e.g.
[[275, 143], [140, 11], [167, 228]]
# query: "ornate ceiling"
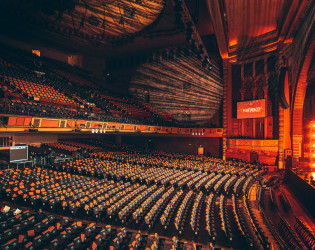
[[102, 19]]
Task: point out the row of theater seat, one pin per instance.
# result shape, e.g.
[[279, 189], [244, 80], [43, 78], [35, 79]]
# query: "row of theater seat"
[[264, 241], [28, 230], [160, 175], [36, 90], [225, 223], [155, 210], [62, 147], [182, 210], [25, 229], [305, 233], [81, 145], [195, 215], [131, 194], [241, 222], [210, 221], [170, 209], [208, 165], [184, 207], [46, 93], [289, 234]]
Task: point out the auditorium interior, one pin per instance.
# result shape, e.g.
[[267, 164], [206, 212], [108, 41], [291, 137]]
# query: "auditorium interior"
[[157, 124]]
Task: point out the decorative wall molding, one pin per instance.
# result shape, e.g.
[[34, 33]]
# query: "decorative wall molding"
[[254, 145]]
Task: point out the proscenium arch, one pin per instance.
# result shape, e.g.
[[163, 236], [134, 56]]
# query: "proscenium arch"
[[298, 101]]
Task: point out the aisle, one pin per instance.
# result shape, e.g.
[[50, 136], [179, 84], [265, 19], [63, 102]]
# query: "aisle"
[[253, 199]]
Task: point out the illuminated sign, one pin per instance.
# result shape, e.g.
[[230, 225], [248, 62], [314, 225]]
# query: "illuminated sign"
[[251, 109]]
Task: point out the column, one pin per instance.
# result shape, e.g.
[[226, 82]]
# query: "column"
[[266, 97], [227, 104], [242, 77]]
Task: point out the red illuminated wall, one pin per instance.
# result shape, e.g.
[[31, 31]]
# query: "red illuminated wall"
[[251, 109]]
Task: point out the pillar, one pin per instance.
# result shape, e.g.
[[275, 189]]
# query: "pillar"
[[227, 104]]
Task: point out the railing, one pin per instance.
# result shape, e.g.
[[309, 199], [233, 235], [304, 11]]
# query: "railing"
[[24, 123]]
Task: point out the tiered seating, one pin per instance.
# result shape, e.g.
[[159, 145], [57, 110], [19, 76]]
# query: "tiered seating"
[[27, 230], [128, 210], [305, 233], [147, 203], [248, 183], [62, 147], [225, 224], [123, 202], [170, 208], [229, 184], [134, 189], [81, 145], [160, 113], [132, 110], [238, 185], [242, 227], [218, 186], [201, 183], [157, 243], [35, 90], [59, 88], [289, 235], [152, 214], [254, 223], [41, 110], [212, 182], [195, 215], [210, 222], [182, 212]]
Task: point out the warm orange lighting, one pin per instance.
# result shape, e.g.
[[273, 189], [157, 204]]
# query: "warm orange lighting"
[[36, 52], [289, 40], [312, 141], [233, 42], [271, 49], [225, 55], [266, 30]]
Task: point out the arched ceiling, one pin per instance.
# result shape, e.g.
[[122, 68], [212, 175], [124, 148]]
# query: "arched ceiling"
[[93, 18], [95, 27]]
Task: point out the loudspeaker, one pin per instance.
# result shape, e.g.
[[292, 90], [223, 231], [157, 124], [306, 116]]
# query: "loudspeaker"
[[284, 88]]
